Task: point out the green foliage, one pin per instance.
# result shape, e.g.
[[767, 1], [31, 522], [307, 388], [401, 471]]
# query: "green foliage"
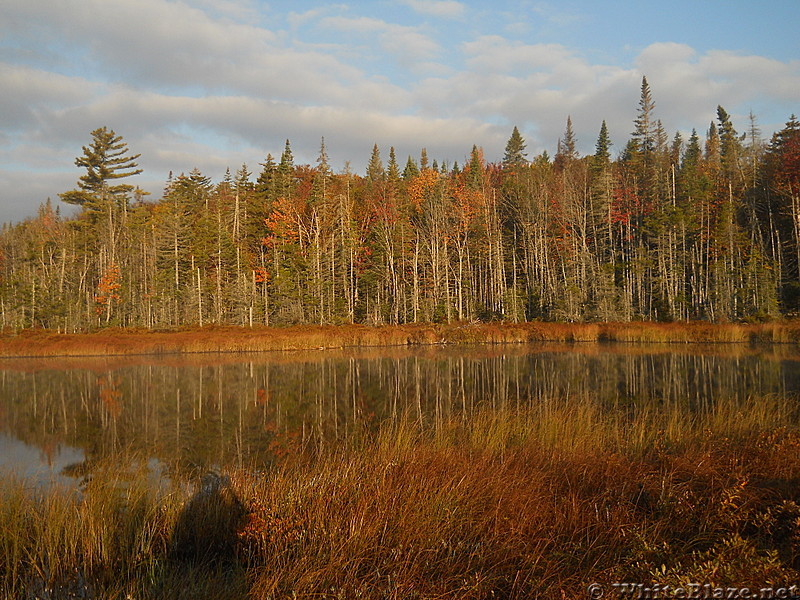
[[515, 151], [105, 161]]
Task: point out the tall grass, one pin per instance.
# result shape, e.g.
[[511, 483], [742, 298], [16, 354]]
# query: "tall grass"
[[529, 503], [114, 341]]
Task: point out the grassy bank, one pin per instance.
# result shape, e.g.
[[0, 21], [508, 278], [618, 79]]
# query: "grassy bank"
[[305, 337], [535, 503]]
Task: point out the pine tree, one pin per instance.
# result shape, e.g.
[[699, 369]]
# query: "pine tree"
[[730, 147], [105, 161], [645, 128], [265, 184], [693, 154], [285, 171], [322, 160], [411, 169], [676, 150], [602, 153], [475, 169], [393, 170], [567, 151], [712, 145], [375, 172], [515, 151]]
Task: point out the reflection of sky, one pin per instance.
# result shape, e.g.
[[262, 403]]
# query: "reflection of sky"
[[29, 462]]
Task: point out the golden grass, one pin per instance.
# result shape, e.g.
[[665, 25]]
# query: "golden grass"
[[104, 363], [534, 503], [114, 341]]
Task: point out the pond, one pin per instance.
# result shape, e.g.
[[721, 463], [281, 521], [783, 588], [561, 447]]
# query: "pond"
[[202, 411]]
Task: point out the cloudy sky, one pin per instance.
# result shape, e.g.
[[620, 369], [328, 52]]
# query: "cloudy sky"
[[216, 83]]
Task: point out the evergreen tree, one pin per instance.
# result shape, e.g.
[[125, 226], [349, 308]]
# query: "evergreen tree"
[[105, 160], [567, 151], [676, 150], [693, 154], [515, 151], [645, 127], [730, 147], [375, 171], [285, 171], [393, 170], [322, 160], [602, 153], [265, 184], [712, 145], [475, 169], [411, 169]]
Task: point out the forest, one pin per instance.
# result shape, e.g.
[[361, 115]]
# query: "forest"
[[670, 229]]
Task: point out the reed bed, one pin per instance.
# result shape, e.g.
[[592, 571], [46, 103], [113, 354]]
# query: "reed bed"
[[529, 503], [115, 341]]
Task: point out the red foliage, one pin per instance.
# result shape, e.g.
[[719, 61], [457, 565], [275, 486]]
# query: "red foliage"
[[282, 224]]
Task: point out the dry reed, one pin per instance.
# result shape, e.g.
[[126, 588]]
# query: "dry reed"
[[306, 337]]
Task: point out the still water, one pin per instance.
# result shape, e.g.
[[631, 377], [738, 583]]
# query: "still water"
[[201, 411]]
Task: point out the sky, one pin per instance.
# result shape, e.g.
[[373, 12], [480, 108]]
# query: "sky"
[[214, 84]]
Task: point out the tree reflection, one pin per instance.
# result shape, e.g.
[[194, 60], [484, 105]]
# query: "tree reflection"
[[210, 412]]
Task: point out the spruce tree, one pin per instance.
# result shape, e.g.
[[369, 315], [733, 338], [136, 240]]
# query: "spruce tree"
[[285, 171], [393, 170], [602, 154], [730, 147], [411, 169], [265, 184], [645, 127], [322, 160], [375, 170], [515, 151], [423, 159], [475, 172], [567, 151]]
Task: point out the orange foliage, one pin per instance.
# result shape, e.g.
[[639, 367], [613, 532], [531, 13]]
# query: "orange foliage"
[[261, 275], [108, 288], [421, 185], [282, 224], [467, 203], [110, 394]]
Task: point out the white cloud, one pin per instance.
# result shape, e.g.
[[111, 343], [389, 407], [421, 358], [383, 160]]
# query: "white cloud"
[[448, 9], [406, 44], [29, 92], [202, 84], [555, 15]]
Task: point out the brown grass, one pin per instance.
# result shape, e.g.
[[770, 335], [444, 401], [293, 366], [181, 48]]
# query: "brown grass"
[[524, 504], [306, 337], [104, 363]]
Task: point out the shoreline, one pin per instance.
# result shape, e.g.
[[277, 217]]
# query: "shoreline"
[[237, 339]]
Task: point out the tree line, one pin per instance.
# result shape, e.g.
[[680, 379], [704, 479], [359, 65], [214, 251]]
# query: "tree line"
[[669, 229]]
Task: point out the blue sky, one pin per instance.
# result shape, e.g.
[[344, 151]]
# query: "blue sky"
[[216, 83]]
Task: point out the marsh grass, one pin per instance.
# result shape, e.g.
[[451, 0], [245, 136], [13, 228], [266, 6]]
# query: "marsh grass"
[[119, 341], [528, 503]]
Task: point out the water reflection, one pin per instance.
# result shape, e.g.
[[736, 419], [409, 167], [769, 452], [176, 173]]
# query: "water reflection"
[[208, 410], [45, 465]]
